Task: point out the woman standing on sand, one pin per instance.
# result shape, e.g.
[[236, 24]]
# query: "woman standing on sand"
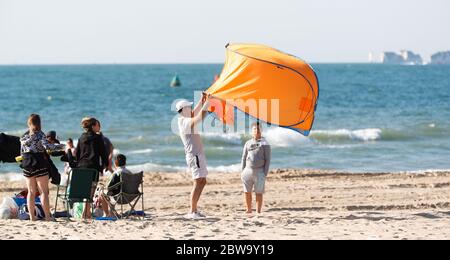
[[255, 167], [90, 152], [35, 165]]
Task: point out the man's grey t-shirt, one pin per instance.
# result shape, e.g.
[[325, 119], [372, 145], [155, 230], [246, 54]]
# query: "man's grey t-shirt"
[[190, 137]]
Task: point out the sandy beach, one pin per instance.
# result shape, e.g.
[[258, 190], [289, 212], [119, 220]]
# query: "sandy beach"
[[299, 204]]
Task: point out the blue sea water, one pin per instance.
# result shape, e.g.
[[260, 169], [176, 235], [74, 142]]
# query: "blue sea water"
[[370, 118]]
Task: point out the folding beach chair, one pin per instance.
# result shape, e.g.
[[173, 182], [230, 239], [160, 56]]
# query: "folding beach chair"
[[81, 188], [131, 187]]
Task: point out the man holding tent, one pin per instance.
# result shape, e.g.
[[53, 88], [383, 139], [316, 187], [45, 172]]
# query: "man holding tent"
[[193, 146]]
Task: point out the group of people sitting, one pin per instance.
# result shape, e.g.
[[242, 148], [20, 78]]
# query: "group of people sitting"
[[93, 151]]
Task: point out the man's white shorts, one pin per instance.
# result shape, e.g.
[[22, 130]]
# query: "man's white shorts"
[[197, 166]]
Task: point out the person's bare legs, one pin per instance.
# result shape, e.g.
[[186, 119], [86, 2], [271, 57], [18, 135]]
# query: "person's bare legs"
[[199, 185], [31, 197], [87, 214], [248, 202], [42, 183], [105, 207], [259, 202]]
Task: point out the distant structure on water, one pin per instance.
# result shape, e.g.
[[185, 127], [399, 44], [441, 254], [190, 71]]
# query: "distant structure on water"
[[371, 57], [441, 58], [403, 58]]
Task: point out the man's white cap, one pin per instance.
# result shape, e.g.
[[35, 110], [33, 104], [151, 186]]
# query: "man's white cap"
[[182, 104]]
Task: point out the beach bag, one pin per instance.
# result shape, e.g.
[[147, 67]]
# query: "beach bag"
[[9, 209], [23, 201], [25, 215], [5, 213], [21, 198], [77, 209], [9, 148]]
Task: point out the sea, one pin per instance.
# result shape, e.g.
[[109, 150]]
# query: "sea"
[[370, 117]]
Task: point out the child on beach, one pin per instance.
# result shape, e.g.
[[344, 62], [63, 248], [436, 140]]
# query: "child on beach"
[[120, 164], [34, 146], [255, 167], [193, 146]]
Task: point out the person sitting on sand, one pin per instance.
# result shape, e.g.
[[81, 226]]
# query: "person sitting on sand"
[[34, 146], [255, 167], [193, 146], [90, 152]]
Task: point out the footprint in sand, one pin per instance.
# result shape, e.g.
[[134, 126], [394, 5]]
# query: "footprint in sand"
[[259, 224], [289, 228]]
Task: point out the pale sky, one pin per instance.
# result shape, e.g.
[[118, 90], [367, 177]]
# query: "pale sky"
[[196, 31]]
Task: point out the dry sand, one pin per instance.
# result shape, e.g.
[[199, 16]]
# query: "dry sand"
[[299, 204]]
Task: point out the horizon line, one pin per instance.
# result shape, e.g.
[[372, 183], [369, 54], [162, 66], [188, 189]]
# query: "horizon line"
[[157, 63]]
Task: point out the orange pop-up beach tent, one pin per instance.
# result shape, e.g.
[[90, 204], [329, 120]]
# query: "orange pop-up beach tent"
[[268, 85]]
